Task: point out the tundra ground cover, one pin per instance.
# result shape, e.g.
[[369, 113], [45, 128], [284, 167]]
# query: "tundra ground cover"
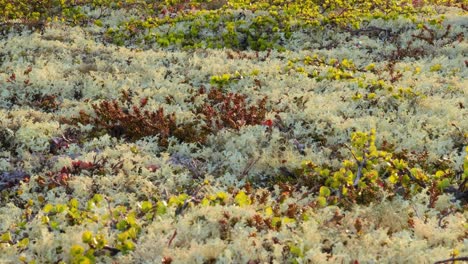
[[230, 132]]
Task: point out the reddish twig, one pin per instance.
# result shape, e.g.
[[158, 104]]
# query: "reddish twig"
[[452, 260], [172, 238]]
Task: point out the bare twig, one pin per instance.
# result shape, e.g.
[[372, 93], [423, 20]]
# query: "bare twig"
[[416, 212], [111, 214], [113, 251], [442, 216], [172, 238], [421, 36], [373, 31], [451, 260], [419, 182], [249, 166], [352, 153], [300, 147], [362, 164], [117, 165]]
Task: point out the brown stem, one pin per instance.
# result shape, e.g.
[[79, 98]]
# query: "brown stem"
[[452, 260], [113, 251], [172, 238], [362, 164]]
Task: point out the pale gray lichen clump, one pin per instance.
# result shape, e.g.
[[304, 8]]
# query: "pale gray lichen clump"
[[201, 202]]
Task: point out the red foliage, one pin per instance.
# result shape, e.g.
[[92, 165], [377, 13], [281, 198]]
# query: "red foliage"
[[220, 111], [136, 123], [231, 111]]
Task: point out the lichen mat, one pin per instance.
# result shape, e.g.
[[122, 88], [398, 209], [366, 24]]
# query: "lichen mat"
[[233, 132]]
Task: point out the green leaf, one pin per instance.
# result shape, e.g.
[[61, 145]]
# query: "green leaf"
[[23, 243], [146, 206], [45, 219], [97, 198], [439, 174], [436, 67], [73, 203], [101, 241], [295, 251], [60, 208], [288, 220], [205, 202], [161, 208], [324, 191], [122, 225], [98, 23], [443, 184], [122, 236], [134, 149], [128, 245], [322, 201], [370, 67], [76, 250], [131, 219], [54, 225], [48, 208], [132, 232], [222, 196], [275, 220], [6, 237], [87, 237]]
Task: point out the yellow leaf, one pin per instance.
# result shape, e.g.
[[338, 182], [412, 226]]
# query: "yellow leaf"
[[268, 211], [242, 199], [205, 202], [287, 220], [48, 208]]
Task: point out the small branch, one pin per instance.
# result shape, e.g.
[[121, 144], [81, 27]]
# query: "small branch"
[[352, 153], [421, 36], [113, 251], [7, 242], [249, 166], [307, 194], [172, 238], [419, 182], [442, 216], [447, 31], [113, 222], [362, 164], [180, 209], [372, 30], [117, 166], [416, 212], [300, 147], [452, 260]]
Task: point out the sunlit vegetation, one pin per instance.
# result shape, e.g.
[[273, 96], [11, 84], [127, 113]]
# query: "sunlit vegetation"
[[193, 131]]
